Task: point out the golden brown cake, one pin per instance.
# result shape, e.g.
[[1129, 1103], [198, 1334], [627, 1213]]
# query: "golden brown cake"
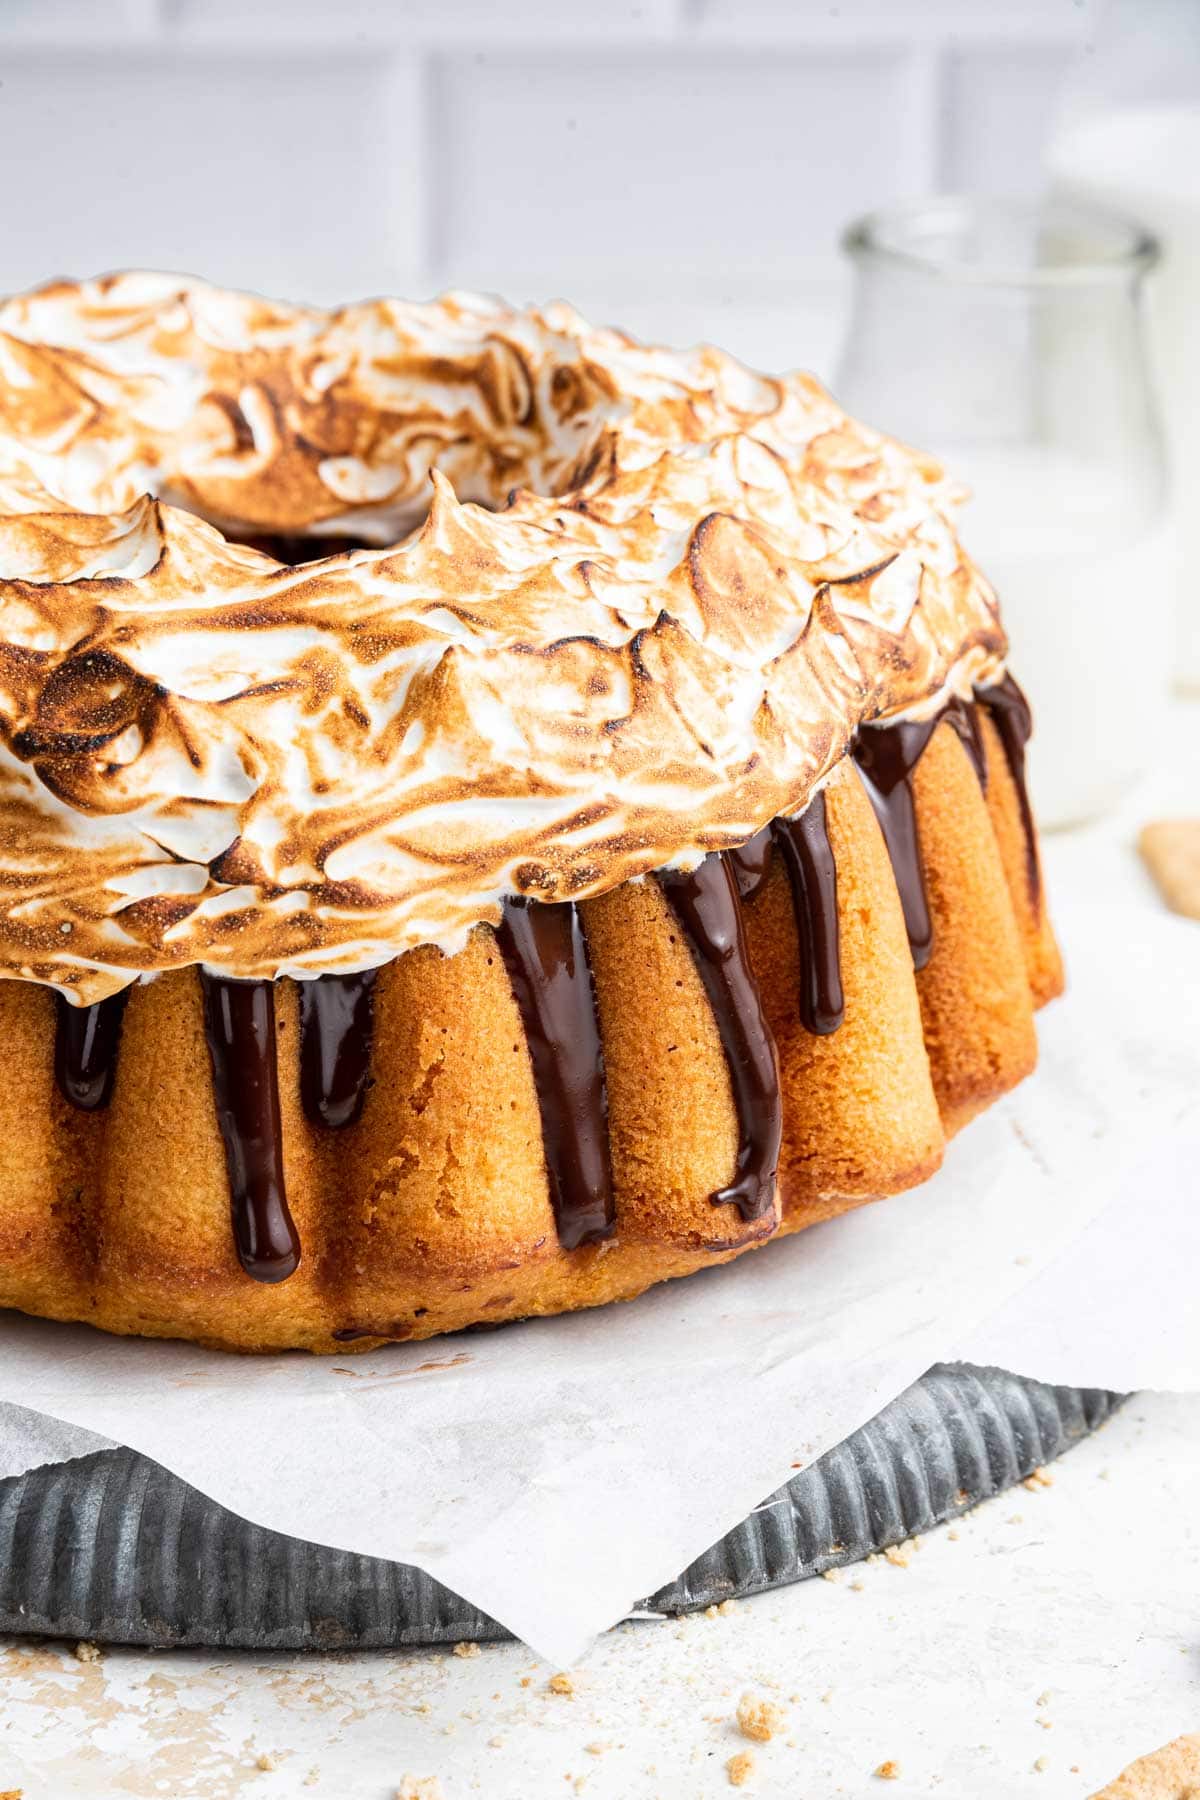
[[423, 914]]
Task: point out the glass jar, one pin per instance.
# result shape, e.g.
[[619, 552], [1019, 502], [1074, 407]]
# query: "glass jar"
[[1129, 137], [1008, 339]]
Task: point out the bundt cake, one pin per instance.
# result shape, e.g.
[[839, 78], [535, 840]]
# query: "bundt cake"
[[418, 915]]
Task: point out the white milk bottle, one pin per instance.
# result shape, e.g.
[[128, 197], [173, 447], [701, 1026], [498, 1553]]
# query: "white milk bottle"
[[1147, 160], [1008, 339]]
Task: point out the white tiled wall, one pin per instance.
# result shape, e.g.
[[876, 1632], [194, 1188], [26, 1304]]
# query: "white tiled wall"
[[682, 164]]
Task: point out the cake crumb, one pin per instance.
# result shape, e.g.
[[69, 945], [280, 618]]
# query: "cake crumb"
[[313, 1776], [596, 1749], [266, 1760], [86, 1652], [562, 1684], [758, 1718], [827, 1696], [496, 1743], [726, 1607], [953, 1535], [1170, 849], [858, 1587], [1041, 1765], [1043, 1698], [1038, 1478], [897, 1555], [888, 1771], [466, 1648], [419, 1787], [831, 1574], [740, 1768]]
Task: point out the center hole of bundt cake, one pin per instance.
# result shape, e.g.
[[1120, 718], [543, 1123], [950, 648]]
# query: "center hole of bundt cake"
[[294, 550]]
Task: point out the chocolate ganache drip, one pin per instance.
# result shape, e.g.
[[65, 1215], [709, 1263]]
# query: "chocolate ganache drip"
[[1010, 712], [545, 953], [751, 863], [886, 756], [705, 901], [239, 1023], [808, 857], [86, 1039], [337, 1022], [963, 716]]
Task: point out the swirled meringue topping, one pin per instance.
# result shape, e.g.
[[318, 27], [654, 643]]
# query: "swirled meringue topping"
[[627, 605]]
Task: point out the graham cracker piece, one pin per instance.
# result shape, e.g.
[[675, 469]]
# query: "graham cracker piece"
[[1172, 1773], [1170, 849]]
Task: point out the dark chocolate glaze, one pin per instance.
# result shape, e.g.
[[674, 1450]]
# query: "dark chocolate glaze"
[[705, 901], [86, 1039], [239, 1023], [1013, 720], [545, 953], [751, 863], [337, 1021], [808, 858], [886, 756], [963, 716]]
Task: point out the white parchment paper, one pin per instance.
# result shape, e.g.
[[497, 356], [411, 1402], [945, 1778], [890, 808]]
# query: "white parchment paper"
[[554, 1472]]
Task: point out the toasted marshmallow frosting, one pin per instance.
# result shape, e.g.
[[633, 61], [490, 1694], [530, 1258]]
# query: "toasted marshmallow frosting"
[[650, 599]]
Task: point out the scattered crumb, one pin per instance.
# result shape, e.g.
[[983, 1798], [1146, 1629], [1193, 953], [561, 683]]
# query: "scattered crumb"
[[1170, 849], [419, 1787], [1039, 1478], [831, 1574], [495, 1743], [858, 1587], [827, 1696], [1016, 1518], [953, 1535], [1042, 1764], [596, 1749], [1043, 1698], [527, 1681], [740, 1768], [710, 1612], [466, 1649], [758, 1718], [87, 1653], [12, 1794], [888, 1771], [727, 1606], [265, 1760], [1046, 1724], [561, 1684], [897, 1555], [313, 1776]]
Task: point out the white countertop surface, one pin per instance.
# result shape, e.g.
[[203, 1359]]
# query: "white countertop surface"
[[1032, 1649]]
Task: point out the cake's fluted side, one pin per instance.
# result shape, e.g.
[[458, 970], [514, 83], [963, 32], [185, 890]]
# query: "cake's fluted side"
[[668, 634]]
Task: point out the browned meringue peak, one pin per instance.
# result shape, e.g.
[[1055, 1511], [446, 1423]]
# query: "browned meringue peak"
[[667, 635]]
